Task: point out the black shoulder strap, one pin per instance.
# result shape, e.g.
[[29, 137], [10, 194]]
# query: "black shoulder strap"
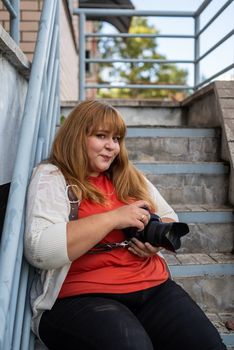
[[74, 203], [98, 248]]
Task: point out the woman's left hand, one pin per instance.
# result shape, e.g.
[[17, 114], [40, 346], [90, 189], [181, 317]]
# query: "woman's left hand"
[[143, 250]]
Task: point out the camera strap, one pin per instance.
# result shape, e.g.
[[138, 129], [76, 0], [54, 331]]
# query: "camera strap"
[[105, 247], [100, 247]]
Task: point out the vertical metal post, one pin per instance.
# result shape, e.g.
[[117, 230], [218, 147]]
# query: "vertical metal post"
[[58, 112], [82, 19], [12, 235], [70, 6], [15, 21], [196, 51]]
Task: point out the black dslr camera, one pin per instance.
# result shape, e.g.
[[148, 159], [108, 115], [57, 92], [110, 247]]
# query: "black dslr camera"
[[160, 234]]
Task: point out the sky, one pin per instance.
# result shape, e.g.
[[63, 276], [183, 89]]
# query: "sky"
[[184, 48]]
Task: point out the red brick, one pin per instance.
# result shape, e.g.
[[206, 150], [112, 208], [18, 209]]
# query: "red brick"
[[40, 4], [6, 25], [4, 16], [27, 47], [29, 36], [29, 5], [30, 16], [29, 26], [29, 56]]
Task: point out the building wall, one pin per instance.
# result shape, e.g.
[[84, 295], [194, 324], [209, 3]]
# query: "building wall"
[[13, 88], [69, 58], [14, 70], [92, 50], [30, 12]]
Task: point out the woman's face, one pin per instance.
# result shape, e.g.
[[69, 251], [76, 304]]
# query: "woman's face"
[[102, 148]]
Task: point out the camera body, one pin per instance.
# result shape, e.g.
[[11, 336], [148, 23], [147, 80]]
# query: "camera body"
[[160, 234]]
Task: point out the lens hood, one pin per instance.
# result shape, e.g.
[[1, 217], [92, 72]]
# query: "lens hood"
[[160, 234]]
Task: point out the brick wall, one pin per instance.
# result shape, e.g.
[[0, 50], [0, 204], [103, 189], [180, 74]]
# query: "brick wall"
[[4, 17], [30, 12], [69, 60], [92, 51]]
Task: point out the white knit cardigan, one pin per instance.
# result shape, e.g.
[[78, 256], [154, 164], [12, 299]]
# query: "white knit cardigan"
[[45, 243]]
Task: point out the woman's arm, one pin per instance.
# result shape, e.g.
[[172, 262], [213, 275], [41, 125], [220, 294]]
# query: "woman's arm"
[[47, 214], [51, 241], [164, 210]]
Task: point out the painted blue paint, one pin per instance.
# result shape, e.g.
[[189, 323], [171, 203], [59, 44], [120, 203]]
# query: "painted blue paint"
[[13, 7], [198, 30], [137, 86], [171, 132], [125, 12], [127, 35], [38, 125], [206, 216], [228, 339], [135, 60], [210, 270], [82, 20], [217, 74], [183, 168]]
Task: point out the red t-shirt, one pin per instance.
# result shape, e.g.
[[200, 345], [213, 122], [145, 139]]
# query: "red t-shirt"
[[115, 271]]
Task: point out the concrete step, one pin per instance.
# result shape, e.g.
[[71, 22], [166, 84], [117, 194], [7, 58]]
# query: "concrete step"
[[205, 213], [187, 182], [211, 229], [208, 238], [208, 278], [219, 320], [173, 144], [145, 112], [151, 113]]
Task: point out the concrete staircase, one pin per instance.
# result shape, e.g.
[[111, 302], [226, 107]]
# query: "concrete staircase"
[[185, 165]]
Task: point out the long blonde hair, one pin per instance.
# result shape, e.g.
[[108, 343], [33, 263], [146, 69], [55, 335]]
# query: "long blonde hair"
[[70, 156]]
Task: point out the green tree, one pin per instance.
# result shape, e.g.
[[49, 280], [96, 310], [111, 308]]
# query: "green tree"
[[138, 73]]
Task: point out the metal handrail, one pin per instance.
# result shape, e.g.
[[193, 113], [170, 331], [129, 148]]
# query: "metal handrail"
[[221, 41], [217, 74], [140, 86], [198, 31], [202, 7], [124, 35], [216, 15], [139, 13], [134, 60], [198, 57], [40, 116], [14, 11]]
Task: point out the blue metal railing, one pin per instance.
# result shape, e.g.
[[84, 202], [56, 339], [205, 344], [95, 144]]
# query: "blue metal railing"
[[196, 37], [41, 113], [14, 11]]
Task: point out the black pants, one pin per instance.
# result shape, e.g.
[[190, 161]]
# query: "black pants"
[[159, 318]]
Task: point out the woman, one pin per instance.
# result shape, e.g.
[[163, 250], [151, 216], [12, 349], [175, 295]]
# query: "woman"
[[84, 297]]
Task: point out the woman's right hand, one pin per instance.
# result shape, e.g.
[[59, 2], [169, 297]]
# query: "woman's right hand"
[[131, 215]]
